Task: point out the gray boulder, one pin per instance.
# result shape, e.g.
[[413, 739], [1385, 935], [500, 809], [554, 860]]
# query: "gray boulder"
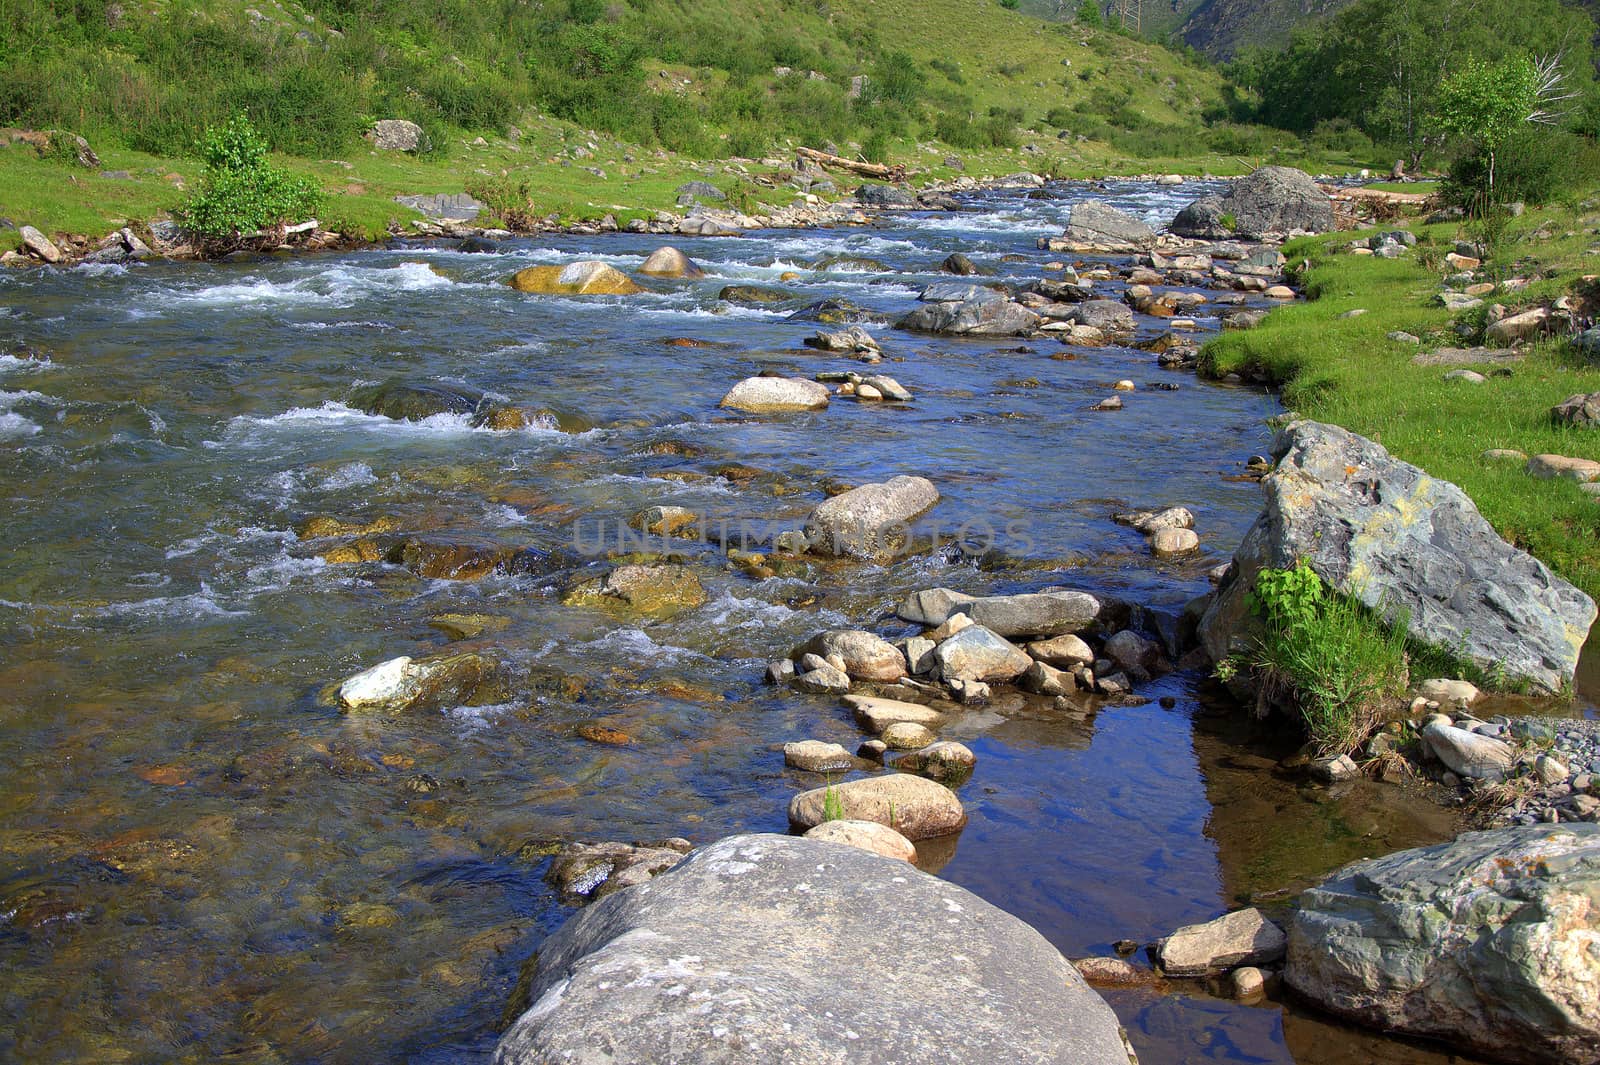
[[1385, 532], [1581, 411], [1204, 218], [1487, 943], [1469, 754], [1272, 200], [975, 653], [396, 135], [984, 316], [959, 292], [1109, 316], [871, 522], [455, 207], [884, 196], [1588, 343], [1243, 937], [1094, 222], [768, 948], [692, 191]]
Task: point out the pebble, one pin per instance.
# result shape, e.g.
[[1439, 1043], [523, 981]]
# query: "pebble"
[[1248, 982]]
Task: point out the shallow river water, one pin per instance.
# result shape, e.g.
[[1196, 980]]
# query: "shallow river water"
[[203, 859]]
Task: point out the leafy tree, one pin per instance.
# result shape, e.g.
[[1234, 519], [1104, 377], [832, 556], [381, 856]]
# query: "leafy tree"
[[1089, 14]]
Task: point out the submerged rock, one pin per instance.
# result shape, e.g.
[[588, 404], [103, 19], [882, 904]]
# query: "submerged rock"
[[653, 591], [1487, 943], [870, 522], [405, 401], [587, 871], [915, 807], [768, 948], [1397, 539], [434, 682]]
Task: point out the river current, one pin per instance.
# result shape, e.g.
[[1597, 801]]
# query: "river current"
[[205, 860]]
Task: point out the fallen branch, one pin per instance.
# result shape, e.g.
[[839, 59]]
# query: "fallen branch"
[[836, 162]]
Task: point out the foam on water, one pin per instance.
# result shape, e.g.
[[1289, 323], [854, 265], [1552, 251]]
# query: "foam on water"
[[350, 475], [100, 269], [338, 286], [12, 364], [201, 604], [637, 645], [16, 427], [333, 415]]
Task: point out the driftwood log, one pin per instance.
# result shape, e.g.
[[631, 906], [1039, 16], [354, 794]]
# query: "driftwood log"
[[837, 162]]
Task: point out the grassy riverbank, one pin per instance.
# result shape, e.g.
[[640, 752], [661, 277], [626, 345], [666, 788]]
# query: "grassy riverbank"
[[59, 197], [1345, 370], [598, 110]]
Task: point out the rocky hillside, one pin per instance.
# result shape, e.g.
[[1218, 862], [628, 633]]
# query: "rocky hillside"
[[1219, 28]]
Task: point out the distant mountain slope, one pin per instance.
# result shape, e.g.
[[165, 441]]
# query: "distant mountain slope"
[[1219, 28]]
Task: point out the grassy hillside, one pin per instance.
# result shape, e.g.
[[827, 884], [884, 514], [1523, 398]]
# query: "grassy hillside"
[[1350, 371], [599, 107]]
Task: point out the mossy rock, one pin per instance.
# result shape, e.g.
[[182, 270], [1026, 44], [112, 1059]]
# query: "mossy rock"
[[586, 278]]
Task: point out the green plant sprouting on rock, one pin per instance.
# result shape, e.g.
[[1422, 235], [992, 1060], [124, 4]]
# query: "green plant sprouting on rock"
[[1323, 654], [242, 192]]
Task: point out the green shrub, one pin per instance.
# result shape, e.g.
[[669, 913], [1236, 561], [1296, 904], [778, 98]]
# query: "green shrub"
[[1533, 165], [241, 191], [1323, 654]]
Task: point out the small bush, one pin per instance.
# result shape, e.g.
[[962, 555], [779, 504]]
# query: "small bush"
[[1323, 654], [1534, 165], [241, 191]]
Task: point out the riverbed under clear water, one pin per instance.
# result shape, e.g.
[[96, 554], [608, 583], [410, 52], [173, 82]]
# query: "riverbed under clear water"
[[204, 859]]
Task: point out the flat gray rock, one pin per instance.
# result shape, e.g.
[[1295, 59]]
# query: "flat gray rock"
[[1094, 222], [1487, 943], [766, 948]]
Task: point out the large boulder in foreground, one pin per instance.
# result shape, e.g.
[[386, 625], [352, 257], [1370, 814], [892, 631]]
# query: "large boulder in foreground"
[[1100, 224], [1385, 532], [768, 948], [871, 522], [1270, 201], [1488, 943]]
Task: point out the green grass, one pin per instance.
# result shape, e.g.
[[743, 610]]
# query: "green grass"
[[665, 81], [1346, 372]]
